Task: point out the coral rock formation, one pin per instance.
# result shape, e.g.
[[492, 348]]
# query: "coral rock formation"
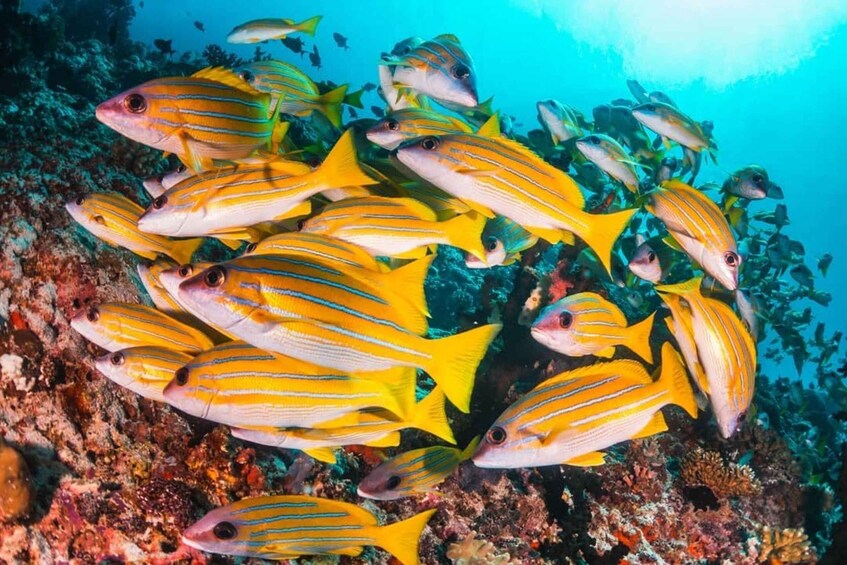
[[16, 489]]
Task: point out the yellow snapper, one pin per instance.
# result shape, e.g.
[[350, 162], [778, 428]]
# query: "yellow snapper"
[[295, 92], [588, 324], [414, 472], [376, 428], [311, 245], [611, 157], [570, 418], [113, 218], [323, 316], [671, 123], [726, 352], [439, 68], [698, 226], [288, 526], [558, 120], [679, 324], [212, 114], [500, 176], [409, 123], [229, 202], [143, 370], [396, 227], [118, 325], [158, 184], [504, 240], [240, 385], [149, 274], [256, 31]]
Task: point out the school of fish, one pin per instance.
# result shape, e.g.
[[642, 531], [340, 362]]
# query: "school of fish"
[[313, 334]]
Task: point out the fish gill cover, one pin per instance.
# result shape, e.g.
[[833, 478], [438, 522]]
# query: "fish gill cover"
[[255, 305]]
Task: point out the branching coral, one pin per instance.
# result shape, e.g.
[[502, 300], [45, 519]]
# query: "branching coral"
[[725, 480], [785, 546], [217, 57], [472, 551]]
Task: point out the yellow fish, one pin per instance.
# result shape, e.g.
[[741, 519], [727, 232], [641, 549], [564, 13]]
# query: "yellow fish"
[[396, 227], [501, 176], [588, 324], [114, 219], [310, 245], [149, 274], [288, 526], [726, 352], [320, 315], [409, 123], [570, 418], [118, 325], [504, 241], [143, 370], [266, 29], [240, 385]]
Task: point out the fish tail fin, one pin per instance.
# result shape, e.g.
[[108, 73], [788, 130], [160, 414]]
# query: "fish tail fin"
[[341, 166], [468, 451], [431, 417], [681, 289], [454, 361], [329, 104], [401, 539], [355, 99], [310, 26], [465, 232], [409, 279], [183, 249], [603, 232], [675, 378], [639, 338]]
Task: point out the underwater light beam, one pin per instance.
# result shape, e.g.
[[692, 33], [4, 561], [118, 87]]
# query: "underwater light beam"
[[717, 41]]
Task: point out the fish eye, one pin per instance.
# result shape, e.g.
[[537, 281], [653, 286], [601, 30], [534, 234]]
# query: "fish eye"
[[593, 140], [224, 531], [565, 319], [301, 224], [393, 124], [496, 436], [214, 276], [185, 270], [758, 179], [491, 243], [135, 103], [160, 202], [461, 71], [393, 482], [181, 169], [181, 376], [247, 75], [93, 315], [117, 359], [651, 256], [80, 201], [731, 258], [429, 143], [252, 247]]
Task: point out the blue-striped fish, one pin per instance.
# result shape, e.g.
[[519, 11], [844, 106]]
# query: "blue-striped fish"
[[396, 227], [414, 472], [212, 114], [439, 68], [500, 176], [320, 315], [409, 123], [587, 324], [149, 274], [570, 418], [288, 526], [158, 184], [267, 29], [669, 122], [316, 246], [225, 204], [376, 428], [118, 325], [726, 352], [240, 385], [113, 218], [611, 157], [558, 120], [504, 240], [699, 227], [143, 370]]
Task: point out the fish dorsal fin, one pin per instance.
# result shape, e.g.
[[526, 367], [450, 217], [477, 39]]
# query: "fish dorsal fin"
[[227, 77], [621, 368], [418, 208], [449, 37], [491, 127], [516, 146], [591, 459], [460, 125]]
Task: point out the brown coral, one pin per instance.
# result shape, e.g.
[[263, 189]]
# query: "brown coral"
[[725, 480], [474, 551], [16, 492], [785, 546]]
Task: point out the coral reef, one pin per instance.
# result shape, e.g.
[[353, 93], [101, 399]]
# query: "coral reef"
[[472, 551], [785, 546], [16, 491], [708, 469]]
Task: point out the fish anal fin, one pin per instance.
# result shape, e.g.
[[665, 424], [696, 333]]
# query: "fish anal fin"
[[656, 425], [606, 352], [591, 459], [322, 454]]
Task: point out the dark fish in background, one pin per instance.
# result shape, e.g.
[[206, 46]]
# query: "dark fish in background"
[[199, 25], [803, 275], [141, 4], [368, 86], [315, 57], [164, 46], [378, 112], [824, 262], [352, 112], [341, 41], [295, 44]]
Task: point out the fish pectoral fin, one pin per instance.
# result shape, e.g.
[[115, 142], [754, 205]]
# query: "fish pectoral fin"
[[322, 454], [606, 352], [672, 243], [99, 220], [151, 255], [591, 459], [656, 425], [190, 157]]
